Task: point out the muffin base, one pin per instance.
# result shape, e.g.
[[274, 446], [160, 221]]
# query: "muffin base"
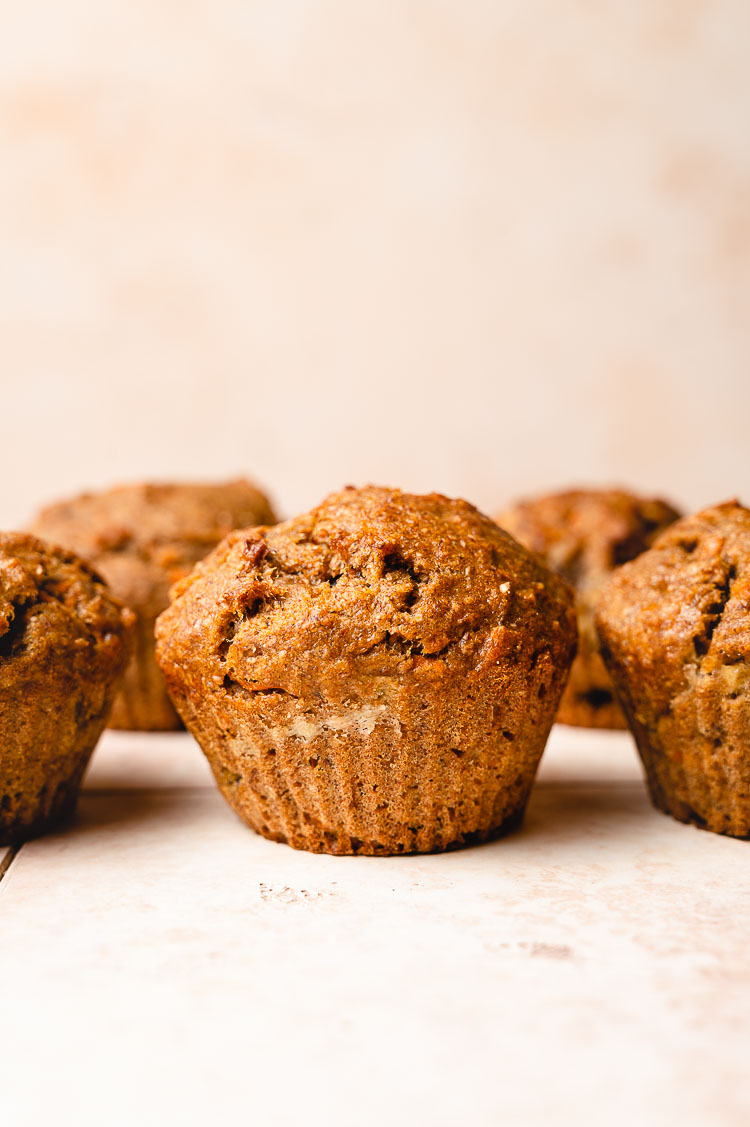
[[697, 759], [694, 742], [403, 772], [143, 704], [694, 798], [345, 845], [719, 822], [589, 699], [351, 800], [38, 812], [43, 762]]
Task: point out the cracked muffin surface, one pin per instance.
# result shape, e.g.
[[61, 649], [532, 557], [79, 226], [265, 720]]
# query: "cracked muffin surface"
[[583, 535], [675, 631], [142, 538], [64, 645], [378, 675]]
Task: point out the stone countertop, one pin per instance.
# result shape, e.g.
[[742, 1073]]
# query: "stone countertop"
[[160, 963]]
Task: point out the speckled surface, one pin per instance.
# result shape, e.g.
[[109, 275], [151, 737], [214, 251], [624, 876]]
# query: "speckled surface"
[[160, 963]]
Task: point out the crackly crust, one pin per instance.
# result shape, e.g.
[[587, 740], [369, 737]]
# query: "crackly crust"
[[55, 611], [584, 534], [675, 630], [343, 648], [142, 538], [64, 644]]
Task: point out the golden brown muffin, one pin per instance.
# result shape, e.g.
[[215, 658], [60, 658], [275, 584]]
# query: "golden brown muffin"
[[64, 645], [377, 676], [583, 534], [675, 631], [141, 538]]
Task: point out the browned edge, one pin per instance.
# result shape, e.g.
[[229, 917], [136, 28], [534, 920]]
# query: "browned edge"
[[8, 859]]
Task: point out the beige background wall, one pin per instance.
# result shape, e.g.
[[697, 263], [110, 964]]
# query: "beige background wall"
[[485, 247]]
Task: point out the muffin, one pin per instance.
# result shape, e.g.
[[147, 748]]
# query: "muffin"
[[675, 632], [583, 534], [64, 646], [141, 538], [377, 676]]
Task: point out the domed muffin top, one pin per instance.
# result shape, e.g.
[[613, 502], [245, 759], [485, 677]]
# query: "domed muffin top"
[[159, 521], [584, 533], [56, 615], [144, 537], [373, 582], [683, 608]]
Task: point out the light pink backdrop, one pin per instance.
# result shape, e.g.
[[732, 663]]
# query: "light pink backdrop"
[[480, 247]]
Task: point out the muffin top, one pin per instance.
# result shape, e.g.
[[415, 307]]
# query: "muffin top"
[[372, 583], [144, 537], [584, 533], [682, 609], [56, 616]]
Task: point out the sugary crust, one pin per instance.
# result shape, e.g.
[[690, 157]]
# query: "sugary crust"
[[382, 645], [142, 538], [675, 631], [583, 534], [64, 644]]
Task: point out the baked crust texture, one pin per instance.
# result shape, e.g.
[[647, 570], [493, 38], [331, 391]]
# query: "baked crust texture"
[[376, 676], [675, 631], [65, 642], [142, 538], [583, 535]]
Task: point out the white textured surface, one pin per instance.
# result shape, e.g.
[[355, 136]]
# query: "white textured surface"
[[159, 963]]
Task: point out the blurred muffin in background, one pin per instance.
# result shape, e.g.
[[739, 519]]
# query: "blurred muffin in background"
[[583, 535], [65, 642], [675, 631], [141, 539]]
